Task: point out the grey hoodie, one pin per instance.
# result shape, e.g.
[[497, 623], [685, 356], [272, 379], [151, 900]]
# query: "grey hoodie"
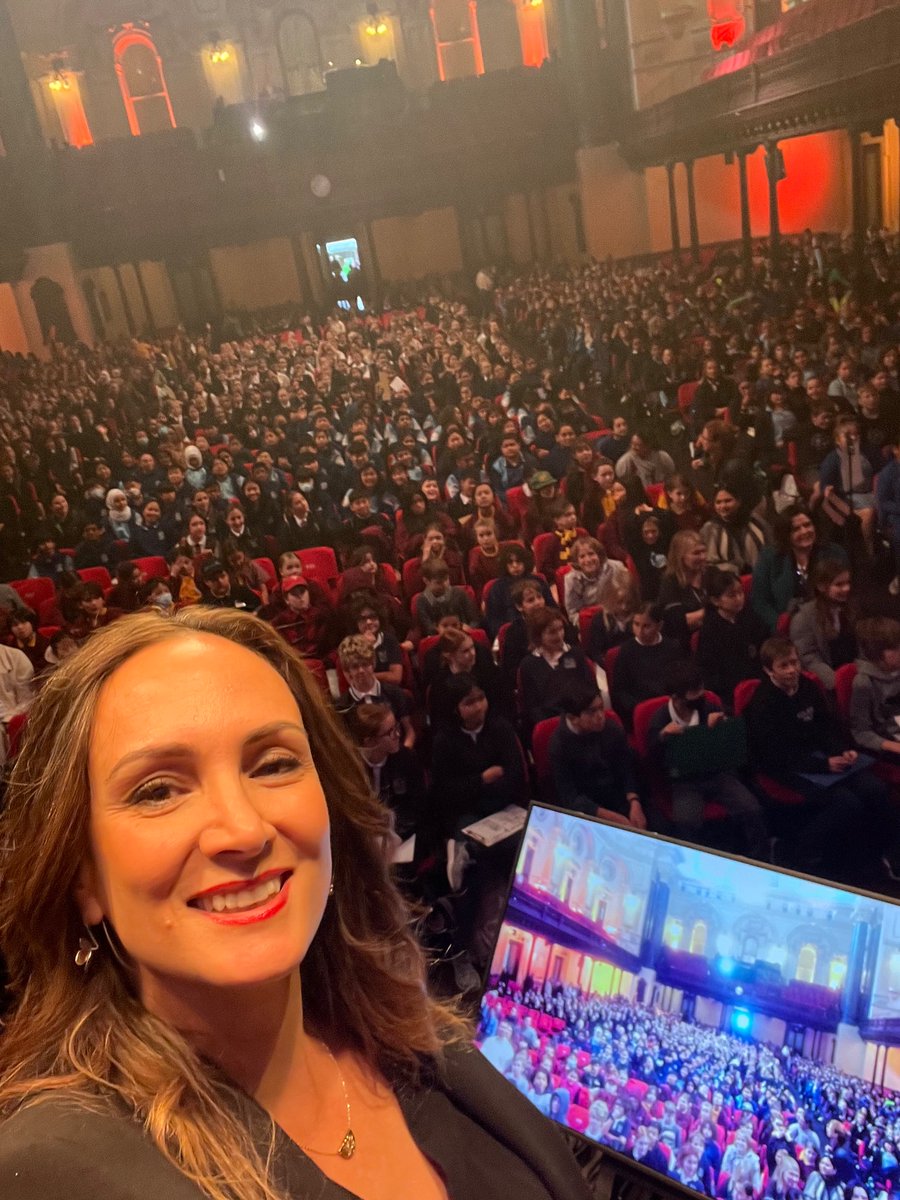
[[874, 702]]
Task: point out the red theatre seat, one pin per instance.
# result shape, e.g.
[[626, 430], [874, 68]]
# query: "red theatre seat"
[[34, 592], [96, 575], [154, 567]]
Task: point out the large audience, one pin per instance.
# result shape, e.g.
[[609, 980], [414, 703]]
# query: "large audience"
[[470, 526], [722, 1115]]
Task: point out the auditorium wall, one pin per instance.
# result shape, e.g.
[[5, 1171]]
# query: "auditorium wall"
[[110, 308], [518, 232], [56, 264], [13, 338], [412, 247], [614, 204], [160, 295], [259, 275]]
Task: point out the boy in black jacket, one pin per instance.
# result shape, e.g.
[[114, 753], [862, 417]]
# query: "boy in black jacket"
[[844, 828]]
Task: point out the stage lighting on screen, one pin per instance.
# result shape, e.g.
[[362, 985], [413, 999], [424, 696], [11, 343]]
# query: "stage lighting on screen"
[[258, 131], [652, 995]]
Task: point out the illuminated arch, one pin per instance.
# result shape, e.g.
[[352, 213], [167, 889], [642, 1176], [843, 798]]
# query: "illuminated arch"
[[806, 964], [456, 38], [698, 938], [299, 52], [143, 82]]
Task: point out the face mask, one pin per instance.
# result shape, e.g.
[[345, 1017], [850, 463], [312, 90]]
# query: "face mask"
[[163, 601], [98, 493], [142, 442], [306, 488]]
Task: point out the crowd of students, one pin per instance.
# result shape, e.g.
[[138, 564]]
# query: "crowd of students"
[[618, 474], [722, 1115]]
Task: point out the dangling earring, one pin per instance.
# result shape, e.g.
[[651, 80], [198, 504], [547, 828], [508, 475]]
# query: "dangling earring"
[[86, 948], [111, 941], [331, 888]]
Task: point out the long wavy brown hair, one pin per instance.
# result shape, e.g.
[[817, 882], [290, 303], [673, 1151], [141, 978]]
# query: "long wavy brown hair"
[[87, 1036]]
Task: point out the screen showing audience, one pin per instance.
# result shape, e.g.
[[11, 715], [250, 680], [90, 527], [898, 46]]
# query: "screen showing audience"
[[726, 1025]]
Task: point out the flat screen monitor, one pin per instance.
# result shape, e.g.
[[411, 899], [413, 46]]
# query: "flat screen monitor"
[[726, 1025]]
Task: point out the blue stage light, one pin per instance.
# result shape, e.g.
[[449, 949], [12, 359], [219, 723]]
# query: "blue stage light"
[[742, 1021]]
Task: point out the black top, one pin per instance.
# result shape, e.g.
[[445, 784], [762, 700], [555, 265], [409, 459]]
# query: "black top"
[[640, 673], [592, 770], [458, 761], [791, 733], [728, 651], [486, 1140]]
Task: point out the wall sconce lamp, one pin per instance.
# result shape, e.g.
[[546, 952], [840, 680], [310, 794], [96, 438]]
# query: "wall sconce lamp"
[[376, 26], [220, 52], [59, 80]]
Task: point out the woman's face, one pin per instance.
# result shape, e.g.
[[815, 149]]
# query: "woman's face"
[[618, 492], [463, 660], [434, 543], [515, 567], [196, 527], [803, 532], [679, 497], [299, 506], [584, 456], [209, 830], [838, 591]]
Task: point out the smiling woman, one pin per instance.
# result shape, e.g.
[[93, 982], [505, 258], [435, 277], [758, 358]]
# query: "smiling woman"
[[215, 991]]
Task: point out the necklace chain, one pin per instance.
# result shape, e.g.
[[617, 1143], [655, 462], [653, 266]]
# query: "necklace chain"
[[347, 1147]]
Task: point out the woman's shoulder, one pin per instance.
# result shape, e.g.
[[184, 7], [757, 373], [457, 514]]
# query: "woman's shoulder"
[[60, 1150], [498, 1106]]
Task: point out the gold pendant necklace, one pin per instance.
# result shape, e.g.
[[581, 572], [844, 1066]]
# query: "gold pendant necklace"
[[347, 1147]]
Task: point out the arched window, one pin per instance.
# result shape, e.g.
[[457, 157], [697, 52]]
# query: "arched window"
[[673, 931], [532, 18], [837, 972], [698, 938], [143, 82], [65, 92], [456, 38], [806, 964], [299, 53]]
